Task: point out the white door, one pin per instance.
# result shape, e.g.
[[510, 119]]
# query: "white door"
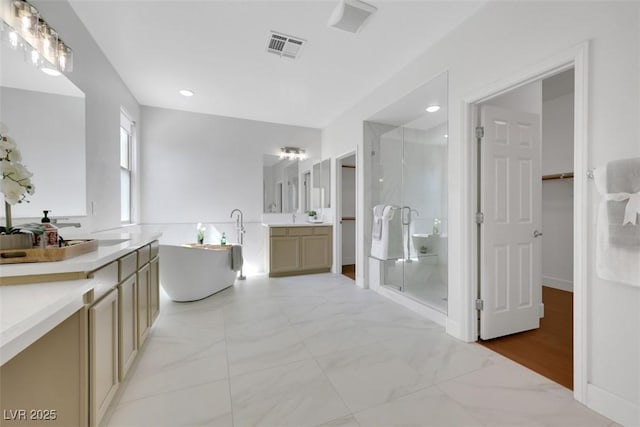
[[510, 252]]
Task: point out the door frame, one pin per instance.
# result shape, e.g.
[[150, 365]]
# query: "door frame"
[[577, 58], [337, 232]]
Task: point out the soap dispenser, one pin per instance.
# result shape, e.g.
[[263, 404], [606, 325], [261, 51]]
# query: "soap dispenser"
[[223, 239]]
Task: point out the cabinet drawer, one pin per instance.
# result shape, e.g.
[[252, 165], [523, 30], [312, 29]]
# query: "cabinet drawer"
[[127, 265], [300, 231], [155, 249], [144, 255], [321, 231], [106, 278], [280, 231]]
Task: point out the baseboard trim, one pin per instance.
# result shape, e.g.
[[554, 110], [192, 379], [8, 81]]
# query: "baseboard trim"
[[561, 284], [611, 406], [416, 307], [453, 328]]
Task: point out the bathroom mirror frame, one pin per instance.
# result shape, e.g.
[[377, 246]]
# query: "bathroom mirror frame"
[[45, 117]]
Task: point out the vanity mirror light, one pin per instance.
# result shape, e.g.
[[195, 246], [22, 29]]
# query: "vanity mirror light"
[[45, 116], [280, 184]]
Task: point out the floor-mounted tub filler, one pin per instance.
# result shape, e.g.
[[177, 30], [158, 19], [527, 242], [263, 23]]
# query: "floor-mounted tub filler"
[[195, 271]]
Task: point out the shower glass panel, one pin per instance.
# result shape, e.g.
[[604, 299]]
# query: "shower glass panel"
[[409, 172]]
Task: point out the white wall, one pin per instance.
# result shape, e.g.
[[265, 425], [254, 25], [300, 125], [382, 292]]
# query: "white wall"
[[489, 46], [527, 99], [199, 167], [557, 195], [105, 95]]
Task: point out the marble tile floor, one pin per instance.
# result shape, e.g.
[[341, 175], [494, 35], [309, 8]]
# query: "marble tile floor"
[[318, 351]]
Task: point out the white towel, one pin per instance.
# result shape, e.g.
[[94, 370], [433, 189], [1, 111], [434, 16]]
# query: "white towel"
[[618, 233], [378, 211], [236, 257]]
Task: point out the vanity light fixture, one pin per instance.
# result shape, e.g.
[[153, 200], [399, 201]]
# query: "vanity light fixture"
[[432, 108], [186, 92], [292, 153], [28, 31]]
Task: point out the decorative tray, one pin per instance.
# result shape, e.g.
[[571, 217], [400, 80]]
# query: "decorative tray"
[[74, 248]]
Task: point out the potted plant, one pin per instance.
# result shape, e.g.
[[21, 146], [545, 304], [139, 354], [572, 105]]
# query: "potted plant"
[[15, 185], [313, 215]]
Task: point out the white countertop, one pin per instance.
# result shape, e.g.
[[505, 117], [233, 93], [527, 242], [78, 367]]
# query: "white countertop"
[[86, 262], [299, 224], [27, 312]]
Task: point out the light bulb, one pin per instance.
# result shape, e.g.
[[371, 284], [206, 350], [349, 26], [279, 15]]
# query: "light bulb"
[[13, 39], [35, 57]]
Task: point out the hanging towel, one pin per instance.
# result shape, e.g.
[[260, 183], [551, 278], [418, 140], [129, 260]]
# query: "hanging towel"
[[618, 228], [236, 257], [378, 211], [389, 245], [619, 184]]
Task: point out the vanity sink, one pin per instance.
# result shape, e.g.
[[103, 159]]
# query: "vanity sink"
[[111, 242]]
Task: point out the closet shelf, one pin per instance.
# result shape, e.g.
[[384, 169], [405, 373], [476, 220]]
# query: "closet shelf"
[[565, 175]]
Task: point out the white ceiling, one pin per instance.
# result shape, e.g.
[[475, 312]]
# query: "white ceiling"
[[217, 49]]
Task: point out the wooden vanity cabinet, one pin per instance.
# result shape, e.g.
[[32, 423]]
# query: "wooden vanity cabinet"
[[76, 368], [127, 313], [103, 355], [143, 313], [49, 375], [154, 288], [299, 250]]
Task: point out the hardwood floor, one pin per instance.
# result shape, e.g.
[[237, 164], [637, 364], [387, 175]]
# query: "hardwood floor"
[[549, 349], [349, 271]]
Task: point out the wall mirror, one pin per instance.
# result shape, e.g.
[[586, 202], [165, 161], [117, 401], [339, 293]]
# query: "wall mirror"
[[280, 184], [45, 116], [321, 188]]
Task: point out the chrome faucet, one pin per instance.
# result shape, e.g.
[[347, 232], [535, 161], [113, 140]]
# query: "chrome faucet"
[[55, 222], [240, 232], [293, 217]]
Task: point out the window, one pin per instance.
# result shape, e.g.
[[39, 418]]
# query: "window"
[[126, 167]]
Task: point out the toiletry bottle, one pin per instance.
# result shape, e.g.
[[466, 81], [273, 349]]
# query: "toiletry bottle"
[[223, 239], [49, 238]]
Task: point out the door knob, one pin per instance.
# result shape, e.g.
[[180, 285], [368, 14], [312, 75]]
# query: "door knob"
[[537, 233]]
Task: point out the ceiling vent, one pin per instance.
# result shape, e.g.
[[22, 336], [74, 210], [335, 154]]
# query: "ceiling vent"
[[284, 45]]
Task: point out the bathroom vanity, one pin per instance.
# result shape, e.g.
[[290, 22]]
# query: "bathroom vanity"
[[70, 330], [298, 249]]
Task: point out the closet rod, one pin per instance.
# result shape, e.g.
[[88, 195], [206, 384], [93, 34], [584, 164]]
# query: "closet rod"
[[564, 175]]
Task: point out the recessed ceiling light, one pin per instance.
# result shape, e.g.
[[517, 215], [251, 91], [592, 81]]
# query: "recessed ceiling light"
[[446, 136], [432, 108], [186, 92], [50, 71]]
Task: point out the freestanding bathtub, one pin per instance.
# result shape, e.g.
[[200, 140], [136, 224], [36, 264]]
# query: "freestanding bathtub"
[[191, 272]]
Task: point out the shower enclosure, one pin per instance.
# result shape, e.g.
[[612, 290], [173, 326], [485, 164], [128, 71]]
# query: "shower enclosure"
[[409, 172]]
